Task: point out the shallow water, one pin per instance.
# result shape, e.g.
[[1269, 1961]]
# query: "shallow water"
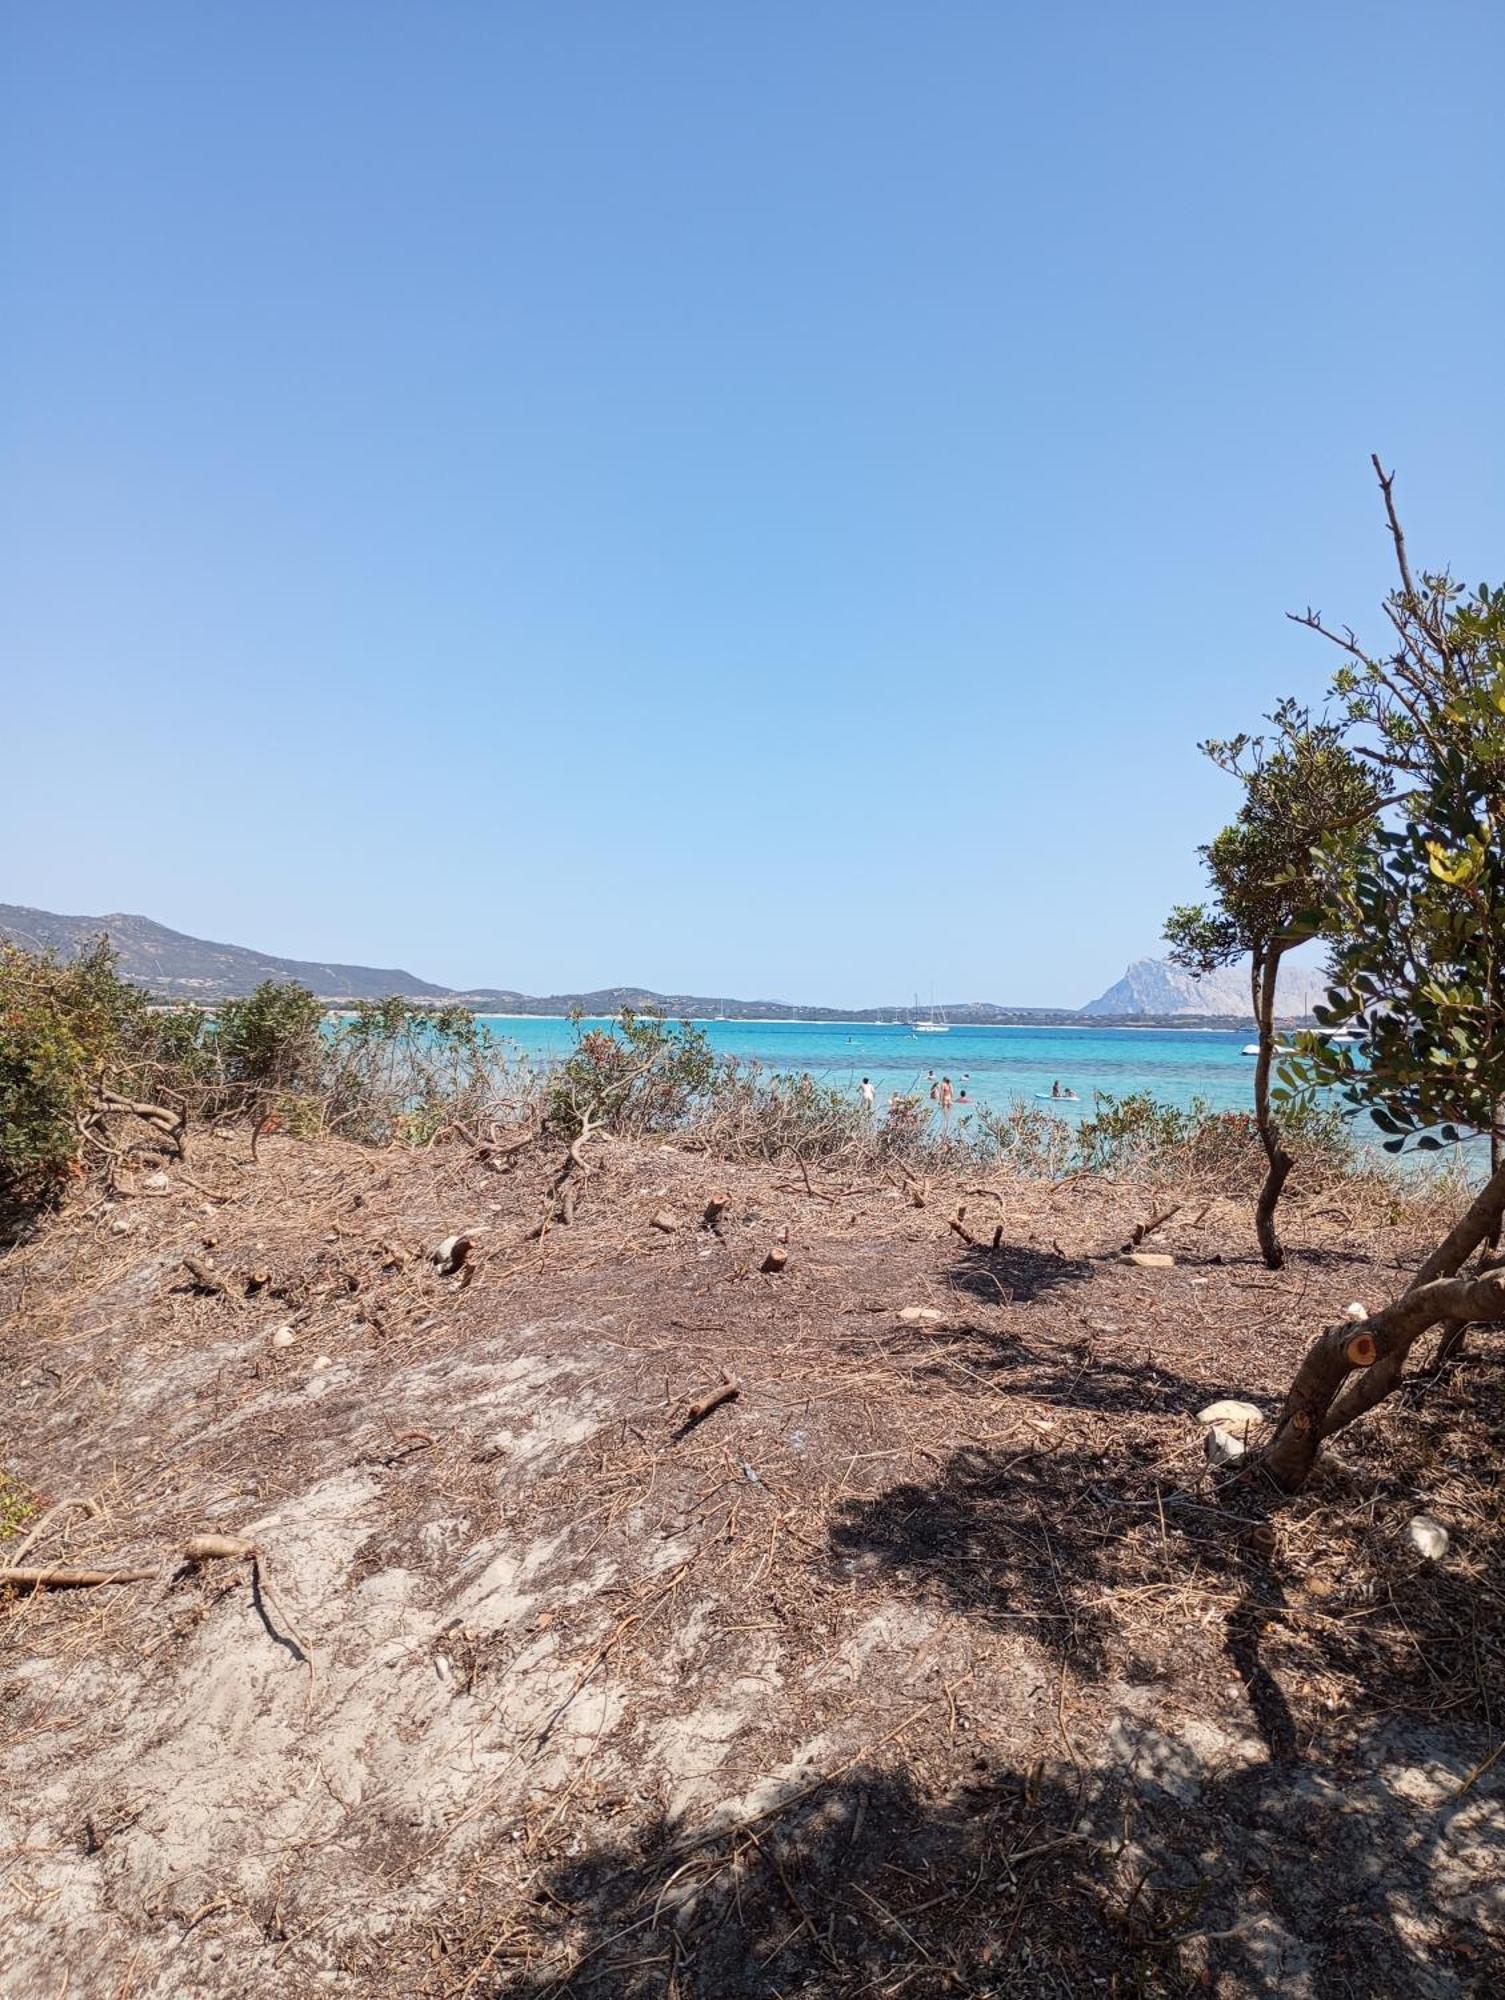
[[994, 1065]]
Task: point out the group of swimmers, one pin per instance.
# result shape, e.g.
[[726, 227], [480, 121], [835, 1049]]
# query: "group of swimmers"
[[941, 1093]]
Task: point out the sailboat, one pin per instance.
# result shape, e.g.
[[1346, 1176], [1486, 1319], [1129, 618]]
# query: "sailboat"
[[933, 1024]]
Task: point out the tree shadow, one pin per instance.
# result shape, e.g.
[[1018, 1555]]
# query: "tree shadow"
[[1150, 1874], [1067, 1373], [1013, 1274]]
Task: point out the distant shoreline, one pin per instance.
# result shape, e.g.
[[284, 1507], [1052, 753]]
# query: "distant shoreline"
[[1208, 1025]]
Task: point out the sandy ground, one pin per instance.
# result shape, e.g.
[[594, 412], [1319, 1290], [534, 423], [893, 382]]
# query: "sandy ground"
[[934, 1661]]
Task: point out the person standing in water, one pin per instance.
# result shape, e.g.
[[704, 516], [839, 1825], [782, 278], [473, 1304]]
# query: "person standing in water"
[[945, 1100], [867, 1095]]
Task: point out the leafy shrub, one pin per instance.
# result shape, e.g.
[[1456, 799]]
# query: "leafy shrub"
[[1140, 1133], [642, 1074], [270, 1042], [62, 1028], [397, 1072]]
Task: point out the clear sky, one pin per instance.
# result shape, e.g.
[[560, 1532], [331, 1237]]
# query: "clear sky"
[[757, 498]]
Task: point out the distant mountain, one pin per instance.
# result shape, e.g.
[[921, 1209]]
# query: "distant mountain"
[[188, 968], [1155, 986], [177, 967]]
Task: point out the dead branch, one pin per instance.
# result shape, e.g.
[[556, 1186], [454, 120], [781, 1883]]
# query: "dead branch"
[[570, 1181], [49, 1578], [235, 1548], [39, 1527], [173, 1125], [728, 1392], [206, 1278], [1387, 484], [1143, 1229]]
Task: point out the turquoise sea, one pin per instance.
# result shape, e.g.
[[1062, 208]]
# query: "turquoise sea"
[[993, 1065]]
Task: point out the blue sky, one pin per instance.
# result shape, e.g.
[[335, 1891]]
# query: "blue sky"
[[753, 499]]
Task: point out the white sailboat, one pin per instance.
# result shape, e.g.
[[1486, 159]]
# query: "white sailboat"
[[933, 1024]]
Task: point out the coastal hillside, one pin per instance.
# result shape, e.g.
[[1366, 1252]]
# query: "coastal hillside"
[[178, 967], [1153, 986]]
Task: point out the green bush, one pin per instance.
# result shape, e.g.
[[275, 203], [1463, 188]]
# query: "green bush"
[[398, 1072], [642, 1074], [63, 1029], [270, 1042], [1139, 1133]]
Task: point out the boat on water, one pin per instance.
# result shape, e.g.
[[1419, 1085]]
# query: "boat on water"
[[934, 1023], [1058, 1097]]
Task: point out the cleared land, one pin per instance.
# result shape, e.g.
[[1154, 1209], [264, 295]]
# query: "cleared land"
[[932, 1662]]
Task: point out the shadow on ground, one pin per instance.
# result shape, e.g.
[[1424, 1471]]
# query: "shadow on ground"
[[1146, 1878], [1013, 1274]]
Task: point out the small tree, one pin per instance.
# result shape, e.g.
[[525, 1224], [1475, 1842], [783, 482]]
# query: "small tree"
[[1418, 966], [1304, 791], [270, 1046], [78, 1045]]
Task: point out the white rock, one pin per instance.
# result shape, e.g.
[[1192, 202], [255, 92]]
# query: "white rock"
[[445, 1251], [1428, 1536], [1355, 1310], [282, 1336], [1222, 1447], [156, 1182], [1151, 1260], [920, 1315], [319, 1363], [121, 1226], [1239, 1417]]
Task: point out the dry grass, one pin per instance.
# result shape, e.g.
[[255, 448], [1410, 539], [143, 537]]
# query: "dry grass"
[[933, 1663]]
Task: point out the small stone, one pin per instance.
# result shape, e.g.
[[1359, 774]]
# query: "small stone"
[[320, 1363], [1237, 1416], [920, 1315], [1428, 1536], [1222, 1447], [121, 1226], [666, 1221], [1355, 1310], [1151, 1260], [282, 1336], [156, 1182]]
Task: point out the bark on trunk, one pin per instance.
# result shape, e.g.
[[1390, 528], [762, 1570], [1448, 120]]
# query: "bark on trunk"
[[1327, 1393], [1262, 983], [1479, 1224]]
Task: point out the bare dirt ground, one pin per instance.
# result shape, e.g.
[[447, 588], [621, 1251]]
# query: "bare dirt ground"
[[932, 1663]]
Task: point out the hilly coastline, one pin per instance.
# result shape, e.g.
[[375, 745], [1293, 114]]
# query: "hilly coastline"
[[176, 966]]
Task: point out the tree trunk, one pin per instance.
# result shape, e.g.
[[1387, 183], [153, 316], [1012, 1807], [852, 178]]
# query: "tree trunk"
[[1262, 985], [1327, 1395]]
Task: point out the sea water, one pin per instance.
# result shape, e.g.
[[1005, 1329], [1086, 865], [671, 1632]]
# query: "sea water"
[[995, 1066]]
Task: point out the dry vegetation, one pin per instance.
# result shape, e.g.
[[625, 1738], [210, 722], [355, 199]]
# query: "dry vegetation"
[[930, 1661]]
